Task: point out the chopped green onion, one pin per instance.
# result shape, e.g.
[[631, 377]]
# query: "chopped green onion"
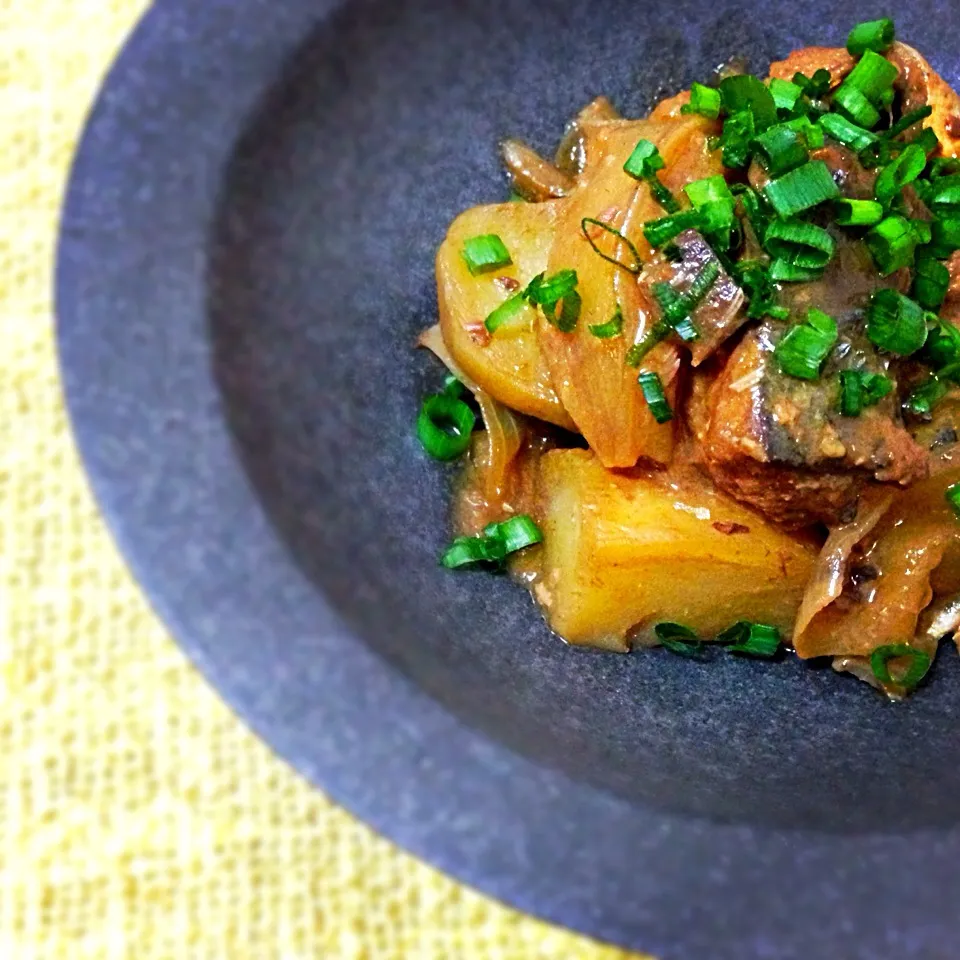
[[686, 330], [709, 190], [892, 242], [856, 106], [656, 399], [746, 92], [876, 35], [801, 189], [924, 398], [810, 133], [453, 387], [943, 196], [678, 639], [516, 533], [927, 140], [704, 101], [611, 328], [662, 195], [860, 389], [785, 94], [678, 306], [780, 149], [857, 213], [558, 290], [896, 323], [943, 345], [783, 271], [738, 132], [944, 167], [636, 353], [751, 639], [897, 174], [444, 426], [757, 217], [516, 198], [911, 677], [799, 243], [497, 541], [485, 253], [873, 76], [945, 237], [952, 495], [506, 313], [815, 87], [931, 279], [803, 348], [659, 232], [644, 162], [755, 280], [907, 121], [845, 132], [633, 265]]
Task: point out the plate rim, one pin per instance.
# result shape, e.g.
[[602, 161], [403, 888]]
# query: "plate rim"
[[558, 849]]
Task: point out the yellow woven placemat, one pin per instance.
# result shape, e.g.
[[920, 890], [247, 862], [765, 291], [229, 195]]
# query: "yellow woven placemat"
[[138, 817]]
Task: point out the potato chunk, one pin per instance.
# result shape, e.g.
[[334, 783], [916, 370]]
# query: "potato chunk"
[[508, 365], [629, 551]]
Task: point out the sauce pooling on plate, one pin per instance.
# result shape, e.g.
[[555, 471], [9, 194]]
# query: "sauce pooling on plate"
[[716, 357]]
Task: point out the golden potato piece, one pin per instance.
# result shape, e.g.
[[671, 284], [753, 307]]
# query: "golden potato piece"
[[508, 365], [631, 551]]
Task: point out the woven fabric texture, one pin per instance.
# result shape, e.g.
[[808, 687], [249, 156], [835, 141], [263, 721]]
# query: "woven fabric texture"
[[138, 817]]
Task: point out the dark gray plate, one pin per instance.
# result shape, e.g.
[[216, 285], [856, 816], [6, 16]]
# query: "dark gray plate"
[[247, 255]]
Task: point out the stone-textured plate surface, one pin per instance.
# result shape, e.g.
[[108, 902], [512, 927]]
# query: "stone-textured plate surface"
[[246, 258]]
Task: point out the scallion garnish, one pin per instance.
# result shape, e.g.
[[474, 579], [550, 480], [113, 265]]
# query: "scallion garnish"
[[659, 232], [898, 173], [678, 639], [783, 271], [943, 196], [800, 243], [632, 265], [857, 213], [943, 345], [875, 35], [751, 639], [911, 676], [444, 426], [810, 133], [945, 237], [931, 279], [755, 214], [857, 107], [785, 94], [508, 311], [860, 389], [709, 190], [926, 396], [637, 351], [801, 189], [896, 323], [845, 132], [610, 328], [704, 101], [815, 87], [892, 243], [804, 347], [746, 92], [485, 253], [644, 162], [453, 386], [952, 495], [558, 290], [497, 542], [738, 133], [652, 388], [873, 76], [907, 121], [755, 280], [677, 307], [780, 149]]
